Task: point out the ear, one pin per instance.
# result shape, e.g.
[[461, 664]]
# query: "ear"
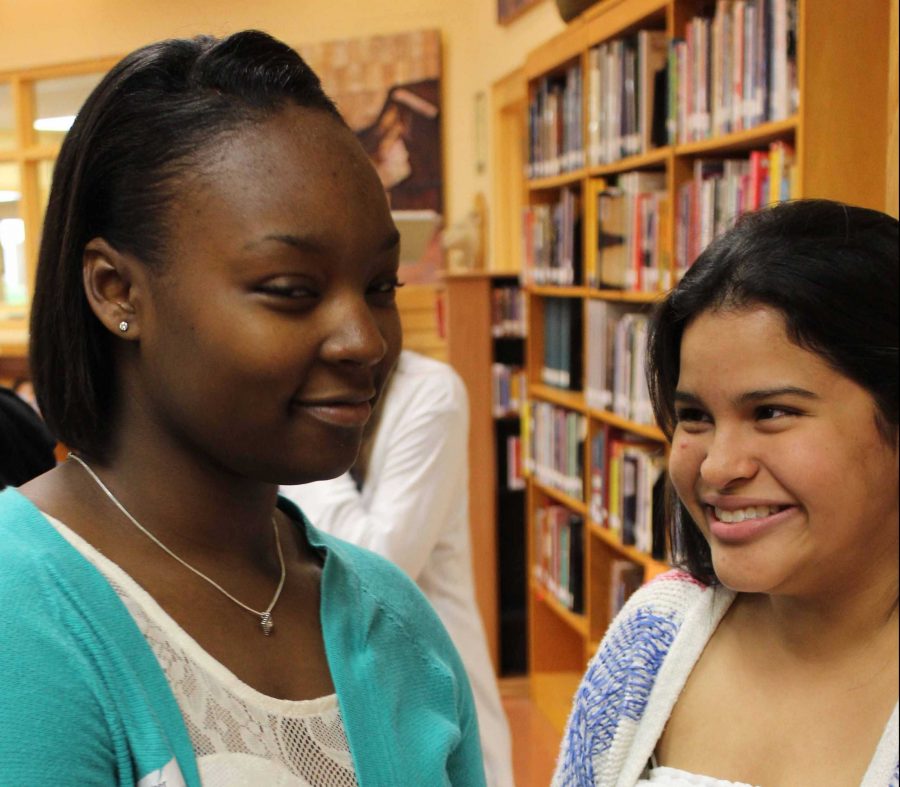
[[110, 284]]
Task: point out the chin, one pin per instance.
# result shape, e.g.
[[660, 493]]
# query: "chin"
[[744, 576], [307, 473]]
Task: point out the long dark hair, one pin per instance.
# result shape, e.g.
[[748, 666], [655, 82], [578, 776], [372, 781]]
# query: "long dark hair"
[[150, 121], [831, 270]]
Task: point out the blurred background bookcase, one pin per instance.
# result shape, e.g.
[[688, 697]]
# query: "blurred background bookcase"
[[758, 101]]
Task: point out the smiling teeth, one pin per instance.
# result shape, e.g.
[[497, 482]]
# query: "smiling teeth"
[[743, 514]]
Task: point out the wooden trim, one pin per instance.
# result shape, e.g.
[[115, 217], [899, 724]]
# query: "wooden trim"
[[573, 400], [740, 141], [631, 553], [557, 496], [509, 101], [644, 430], [618, 18], [469, 352], [559, 50], [574, 620], [840, 159], [654, 158], [556, 181], [892, 188], [75, 68]]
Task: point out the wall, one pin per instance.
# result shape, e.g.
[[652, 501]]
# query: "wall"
[[476, 50]]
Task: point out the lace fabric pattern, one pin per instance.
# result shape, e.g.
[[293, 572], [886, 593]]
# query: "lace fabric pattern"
[[672, 777], [240, 736]]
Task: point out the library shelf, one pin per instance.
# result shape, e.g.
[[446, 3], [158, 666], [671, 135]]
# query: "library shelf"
[[652, 159], [625, 296], [574, 620], [555, 291], [573, 177], [495, 512], [644, 430], [572, 503], [572, 400], [739, 141], [651, 567], [823, 110]]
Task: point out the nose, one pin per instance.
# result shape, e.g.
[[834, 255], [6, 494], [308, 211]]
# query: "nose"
[[729, 459], [356, 336]]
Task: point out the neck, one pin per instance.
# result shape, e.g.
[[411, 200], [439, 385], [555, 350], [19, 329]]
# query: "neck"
[[836, 625], [190, 503]]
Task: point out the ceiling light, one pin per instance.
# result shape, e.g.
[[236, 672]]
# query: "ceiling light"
[[9, 196], [61, 123]]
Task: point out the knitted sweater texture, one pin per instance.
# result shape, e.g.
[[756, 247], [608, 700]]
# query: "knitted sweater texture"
[[636, 676]]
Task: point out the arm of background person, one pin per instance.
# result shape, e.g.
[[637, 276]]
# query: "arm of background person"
[[421, 483]]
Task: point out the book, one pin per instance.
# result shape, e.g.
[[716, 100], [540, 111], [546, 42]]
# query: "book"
[[625, 578], [597, 502], [612, 265], [652, 48]]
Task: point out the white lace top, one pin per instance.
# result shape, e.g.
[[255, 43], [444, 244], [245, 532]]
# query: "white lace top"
[[241, 738], [660, 776]]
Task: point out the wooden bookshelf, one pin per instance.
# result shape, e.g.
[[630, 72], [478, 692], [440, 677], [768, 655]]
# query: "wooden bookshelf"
[[837, 134], [495, 513]]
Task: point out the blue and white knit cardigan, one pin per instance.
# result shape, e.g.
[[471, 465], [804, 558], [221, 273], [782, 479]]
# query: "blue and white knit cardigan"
[[633, 681]]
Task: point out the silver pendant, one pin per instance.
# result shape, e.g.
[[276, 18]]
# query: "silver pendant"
[[265, 623]]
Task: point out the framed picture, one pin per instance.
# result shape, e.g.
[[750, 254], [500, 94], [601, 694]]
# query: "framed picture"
[[388, 88], [508, 10]]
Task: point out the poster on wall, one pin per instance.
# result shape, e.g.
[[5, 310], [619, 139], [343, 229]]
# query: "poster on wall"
[[388, 88]]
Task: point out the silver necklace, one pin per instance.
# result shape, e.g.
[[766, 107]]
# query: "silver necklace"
[[265, 617]]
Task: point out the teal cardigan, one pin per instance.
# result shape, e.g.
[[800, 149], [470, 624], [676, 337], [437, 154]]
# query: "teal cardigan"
[[84, 701]]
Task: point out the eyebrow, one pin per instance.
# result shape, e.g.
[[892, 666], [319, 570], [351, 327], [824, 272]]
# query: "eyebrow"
[[311, 243], [752, 396]]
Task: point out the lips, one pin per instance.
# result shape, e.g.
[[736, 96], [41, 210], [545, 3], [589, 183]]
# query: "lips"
[[738, 525], [344, 410]]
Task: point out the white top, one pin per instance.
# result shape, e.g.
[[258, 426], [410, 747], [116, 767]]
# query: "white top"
[[413, 510], [241, 738], [672, 777]]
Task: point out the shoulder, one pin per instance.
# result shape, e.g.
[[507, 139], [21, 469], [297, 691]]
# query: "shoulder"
[[616, 687], [668, 596], [648, 623], [27, 543], [373, 586], [385, 590]]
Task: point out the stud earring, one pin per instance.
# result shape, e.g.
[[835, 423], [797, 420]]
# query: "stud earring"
[[123, 326]]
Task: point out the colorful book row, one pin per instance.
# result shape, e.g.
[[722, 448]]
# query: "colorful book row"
[[553, 438], [508, 315], [562, 343], [626, 104], [552, 240], [627, 480], [615, 377], [559, 554], [729, 71], [632, 214], [508, 389], [555, 125], [723, 189], [734, 70]]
